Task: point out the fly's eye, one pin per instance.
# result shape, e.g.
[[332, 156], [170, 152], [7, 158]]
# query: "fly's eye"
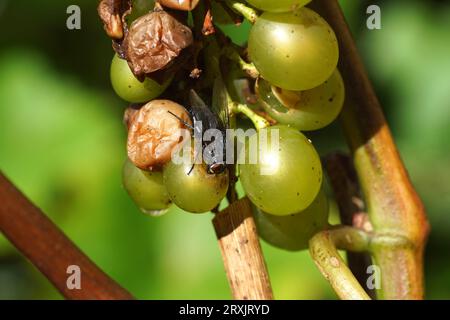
[[216, 168]]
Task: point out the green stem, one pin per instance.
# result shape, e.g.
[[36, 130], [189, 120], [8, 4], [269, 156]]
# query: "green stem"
[[248, 13], [258, 121], [249, 68], [323, 248], [393, 205]]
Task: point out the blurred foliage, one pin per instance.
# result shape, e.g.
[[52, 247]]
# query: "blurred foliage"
[[62, 142]]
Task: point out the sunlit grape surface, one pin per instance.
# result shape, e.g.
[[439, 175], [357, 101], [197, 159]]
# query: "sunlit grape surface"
[[295, 50], [287, 175]]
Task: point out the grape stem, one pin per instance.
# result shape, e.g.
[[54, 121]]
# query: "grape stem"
[[258, 121], [235, 227], [344, 182], [241, 252], [248, 67], [394, 207], [248, 13], [46, 246], [323, 249]]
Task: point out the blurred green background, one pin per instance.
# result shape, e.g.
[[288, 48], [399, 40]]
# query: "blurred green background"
[[62, 142]]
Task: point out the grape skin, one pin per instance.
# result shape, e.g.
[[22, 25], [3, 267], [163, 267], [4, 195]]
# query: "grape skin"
[[296, 174], [294, 50], [197, 191], [293, 232], [305, 110], [131, 89], [146, 189]]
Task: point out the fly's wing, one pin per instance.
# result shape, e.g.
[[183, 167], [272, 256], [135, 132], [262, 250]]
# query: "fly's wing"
[[201, 112], [196, 101], [221, 101]]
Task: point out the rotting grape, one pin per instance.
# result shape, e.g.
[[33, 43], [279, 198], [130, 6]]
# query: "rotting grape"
[[146, 189], [131, 89], [285, 180], [305, 110], [293, 232], [154, 131], [294, 50]]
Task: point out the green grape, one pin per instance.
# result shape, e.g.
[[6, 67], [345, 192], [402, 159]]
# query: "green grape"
[[278, 5], [131, 89], [146, 189], [294, 50], [195, 191], [305, 110], [294, 231], [286, 178]]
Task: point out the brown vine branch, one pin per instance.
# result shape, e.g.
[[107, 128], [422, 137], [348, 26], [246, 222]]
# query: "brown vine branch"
[[393, 205], [344, 182], [241, 252], [35, 236]]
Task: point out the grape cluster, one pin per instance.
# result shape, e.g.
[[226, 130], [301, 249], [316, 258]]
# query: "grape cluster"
[[291, 85]]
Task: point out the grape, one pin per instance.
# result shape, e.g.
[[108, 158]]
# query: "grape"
[[294, 50], [197, 191], [278, 5], [285, 180], [131, 89], [294, 231], [146, 189], [305, 110]]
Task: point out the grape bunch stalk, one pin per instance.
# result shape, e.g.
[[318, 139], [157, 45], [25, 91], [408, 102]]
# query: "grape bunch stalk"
[[175, 68]]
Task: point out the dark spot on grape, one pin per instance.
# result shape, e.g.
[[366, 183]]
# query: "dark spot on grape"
[[298, 194], [288, 56], [331, 99], [129, 86], [313, 167]]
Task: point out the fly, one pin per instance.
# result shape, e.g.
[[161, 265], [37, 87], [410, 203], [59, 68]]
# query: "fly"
[[204, 119]]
